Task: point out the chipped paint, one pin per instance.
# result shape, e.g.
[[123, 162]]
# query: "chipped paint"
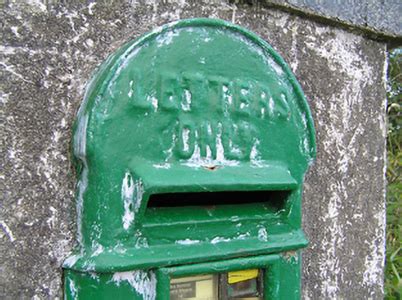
[[197, 161], [186, 137], [144, 283], [131, 194], [71, 260], [255, 157], [219, 239], [162, 166], [186, 105], [141, 242], [243, 236], [98, 249], [187, 242], [263, 235], [94, 276], [166, 38], [127, 193], [73, 289], [290, 256]]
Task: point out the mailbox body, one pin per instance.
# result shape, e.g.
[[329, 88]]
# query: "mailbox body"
[[191, 144]]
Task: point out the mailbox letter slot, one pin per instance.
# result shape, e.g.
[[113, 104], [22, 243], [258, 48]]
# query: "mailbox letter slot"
[[274, 199], [215, 206]]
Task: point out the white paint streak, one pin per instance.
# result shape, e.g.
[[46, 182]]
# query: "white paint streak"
[[14, 29], [7, 50], [51, 222], [220, 151], [186, 137], [166, 38], [374, 262], [131, 53], [295, 61], [94, 276], [10, 50], [271, 106], [89, 266], [255, 156], [329, 263], [343, 55], [141, 242], [186, 104], [89, 43], [71, 260], [154, 103], [119, 248], [219, 239], [37, 4], [73, 289], [196, 161], [243, 236], [97, 249], [144, 283], [263, 235], [131, 194], [7, 231], [162, 166], [169, 151], [90, 7], [10, 69], [187, 242], [228, 97], [130, 92], [127, 192]]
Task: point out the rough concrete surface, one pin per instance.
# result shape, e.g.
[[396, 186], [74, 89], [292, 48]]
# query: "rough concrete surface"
[[381, 16], [48, 54]]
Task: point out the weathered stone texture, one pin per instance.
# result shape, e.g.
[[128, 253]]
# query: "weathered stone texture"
[[380, 16], [48, 54]]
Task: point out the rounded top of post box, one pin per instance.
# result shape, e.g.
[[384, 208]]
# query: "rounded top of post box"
[[199, 92]]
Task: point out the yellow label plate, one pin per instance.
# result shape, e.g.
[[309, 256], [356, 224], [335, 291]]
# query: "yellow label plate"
[[238, 276]]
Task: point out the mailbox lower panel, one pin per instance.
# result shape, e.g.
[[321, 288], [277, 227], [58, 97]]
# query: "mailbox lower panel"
[[280, 279]]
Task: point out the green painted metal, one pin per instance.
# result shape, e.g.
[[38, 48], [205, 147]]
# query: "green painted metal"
[[105, 286], [281, 276], [194, 106]]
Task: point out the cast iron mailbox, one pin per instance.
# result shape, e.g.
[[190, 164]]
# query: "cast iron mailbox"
[[191, 147]]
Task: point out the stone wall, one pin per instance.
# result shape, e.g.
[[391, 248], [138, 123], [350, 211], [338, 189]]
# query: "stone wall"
[[48, 54], [381, 17]]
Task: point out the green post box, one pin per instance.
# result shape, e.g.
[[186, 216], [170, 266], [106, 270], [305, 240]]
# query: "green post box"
[[191, 147]]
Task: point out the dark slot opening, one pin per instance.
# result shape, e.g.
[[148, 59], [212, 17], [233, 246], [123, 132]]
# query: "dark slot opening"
[[276, 199]]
